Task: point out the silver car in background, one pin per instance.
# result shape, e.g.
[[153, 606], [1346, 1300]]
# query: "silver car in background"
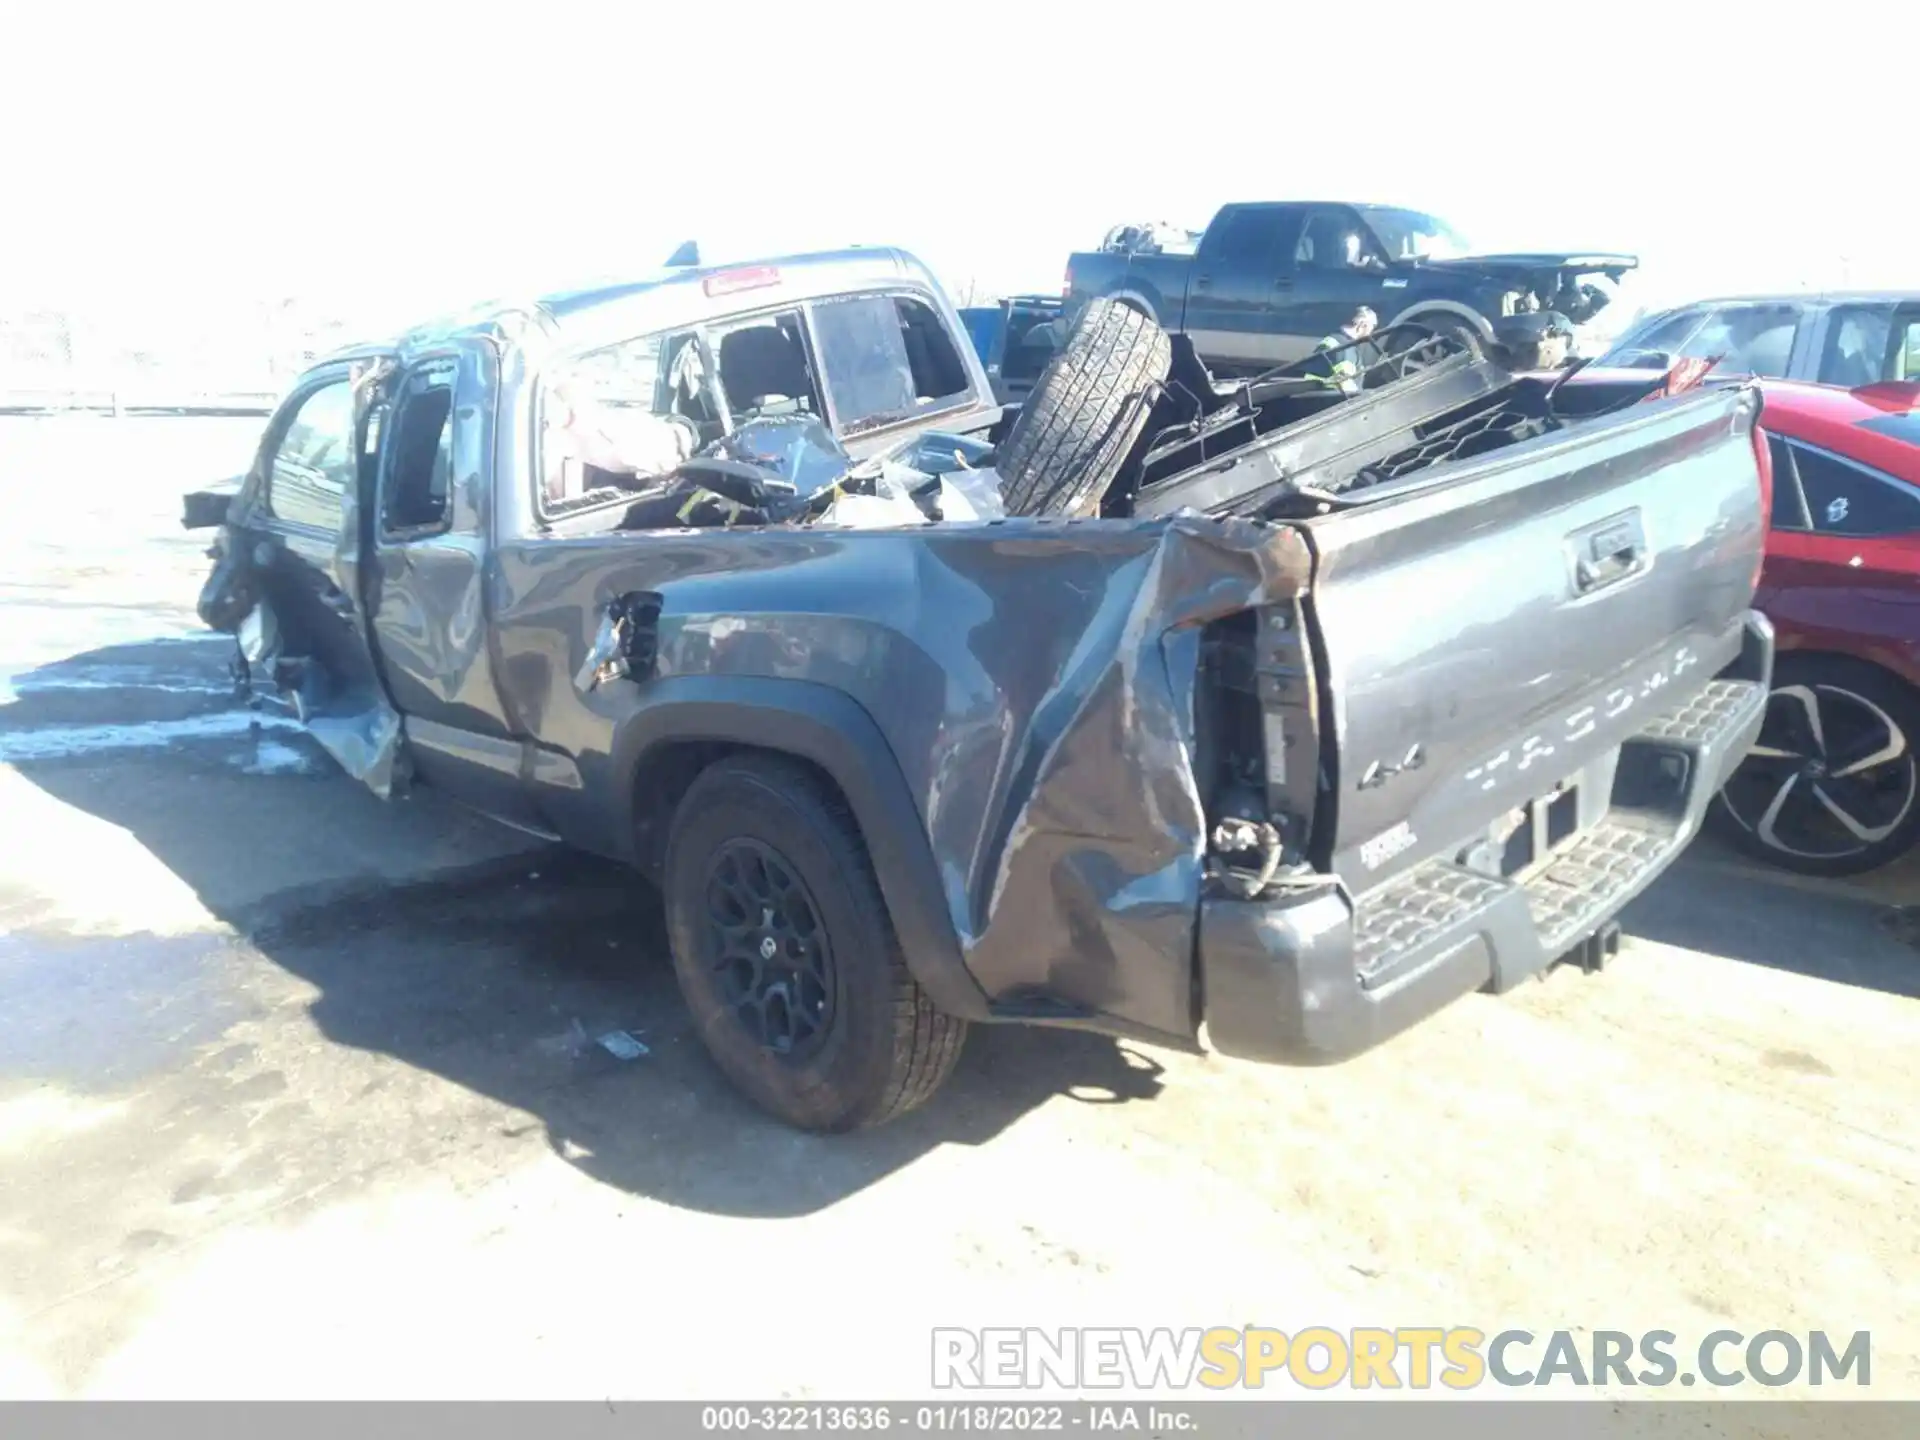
[[1844, 338]]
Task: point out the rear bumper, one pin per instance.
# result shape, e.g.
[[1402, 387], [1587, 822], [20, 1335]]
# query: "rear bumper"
[[1316, 979]]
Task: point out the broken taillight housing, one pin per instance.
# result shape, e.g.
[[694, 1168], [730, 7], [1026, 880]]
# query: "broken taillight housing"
[[754, 277]]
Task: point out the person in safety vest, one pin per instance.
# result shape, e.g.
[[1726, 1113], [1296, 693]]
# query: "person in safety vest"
[[1344, 371]]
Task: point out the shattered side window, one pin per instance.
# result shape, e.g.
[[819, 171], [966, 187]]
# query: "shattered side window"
[[616, 418], [623, 375], [1323, 242], [419, 480]]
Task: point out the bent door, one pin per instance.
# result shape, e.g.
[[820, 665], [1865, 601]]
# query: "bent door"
[[427, 547], [310, 628]]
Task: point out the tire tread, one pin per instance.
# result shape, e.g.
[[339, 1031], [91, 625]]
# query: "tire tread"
[[1085, 412], [923, 1042]]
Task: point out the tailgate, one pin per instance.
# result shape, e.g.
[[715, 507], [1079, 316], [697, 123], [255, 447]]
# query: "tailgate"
[[1501, 624]]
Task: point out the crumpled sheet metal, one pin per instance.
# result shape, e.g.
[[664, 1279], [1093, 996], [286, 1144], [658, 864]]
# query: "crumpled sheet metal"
[[362, 732], [356, 725], [1066, 817], [605, 660], [360, 728], [623, 645], [366, 743], [1035, 683]]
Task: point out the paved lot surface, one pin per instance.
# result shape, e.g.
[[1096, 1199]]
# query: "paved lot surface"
[[298, 1094]]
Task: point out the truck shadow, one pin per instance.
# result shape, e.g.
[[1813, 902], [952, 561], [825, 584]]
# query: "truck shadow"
[[513, 976], [525, 979], [1714, 902]]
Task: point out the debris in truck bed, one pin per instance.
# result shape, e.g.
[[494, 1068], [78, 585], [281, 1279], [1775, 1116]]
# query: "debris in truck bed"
[[1288, 444], [853, 511], [791, 470], [969, 495], [1280, 445]]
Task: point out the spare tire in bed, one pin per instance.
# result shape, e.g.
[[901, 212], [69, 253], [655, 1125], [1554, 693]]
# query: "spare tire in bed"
[[1085, 412]]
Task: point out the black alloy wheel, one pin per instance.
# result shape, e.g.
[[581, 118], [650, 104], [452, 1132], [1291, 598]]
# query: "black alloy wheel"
[[768, 949]]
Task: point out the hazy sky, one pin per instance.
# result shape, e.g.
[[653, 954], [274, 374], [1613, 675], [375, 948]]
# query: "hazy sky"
[[419, 156]]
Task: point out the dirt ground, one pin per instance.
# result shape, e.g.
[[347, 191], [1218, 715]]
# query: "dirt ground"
[[299, 1094]]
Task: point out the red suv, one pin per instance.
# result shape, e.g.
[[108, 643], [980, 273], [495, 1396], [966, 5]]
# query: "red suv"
[[1833, 785]]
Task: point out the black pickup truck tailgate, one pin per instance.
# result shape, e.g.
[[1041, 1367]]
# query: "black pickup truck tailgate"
[[1497, 627]]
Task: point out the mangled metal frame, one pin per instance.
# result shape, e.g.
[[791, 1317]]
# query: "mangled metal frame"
[[1090, 651], [1286, 443], [358, 725], [1289, 444]]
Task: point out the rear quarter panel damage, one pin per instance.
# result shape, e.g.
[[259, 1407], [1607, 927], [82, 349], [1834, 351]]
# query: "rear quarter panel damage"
[[1033, 681]]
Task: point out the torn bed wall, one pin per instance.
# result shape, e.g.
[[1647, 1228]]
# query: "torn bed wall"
[[1034, 682]]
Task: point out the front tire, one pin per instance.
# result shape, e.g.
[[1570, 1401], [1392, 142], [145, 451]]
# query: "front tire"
[[1832, 786], [786, 954]]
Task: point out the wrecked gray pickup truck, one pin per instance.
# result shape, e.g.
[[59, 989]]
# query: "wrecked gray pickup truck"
[[1275, 716]]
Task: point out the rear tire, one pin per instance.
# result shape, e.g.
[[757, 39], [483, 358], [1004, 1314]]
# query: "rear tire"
[[1085, 412], [1863, 711], [786, 954]]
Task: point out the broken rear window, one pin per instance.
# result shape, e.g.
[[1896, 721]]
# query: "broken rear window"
[[885, 359]]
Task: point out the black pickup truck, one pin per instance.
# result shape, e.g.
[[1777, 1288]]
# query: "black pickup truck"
[[1267, 281], [1339, 708]]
